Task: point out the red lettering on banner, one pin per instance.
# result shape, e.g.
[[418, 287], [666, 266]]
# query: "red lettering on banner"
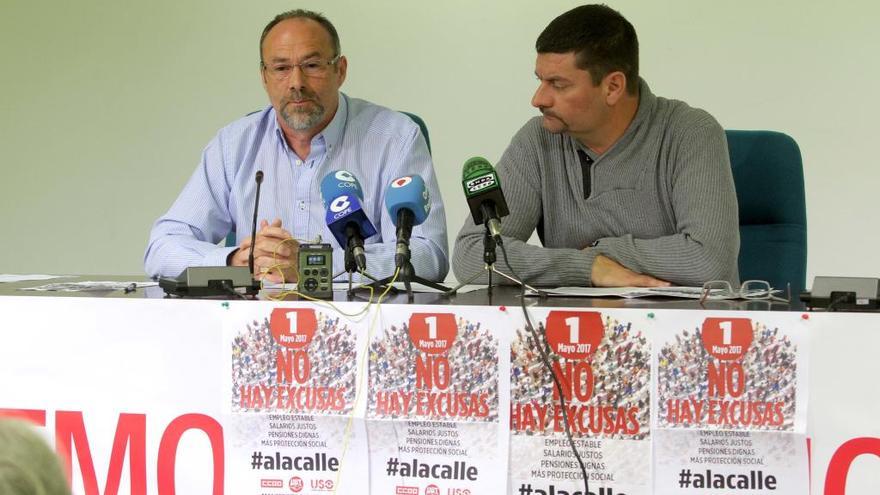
[[725, 412], [838, 466], [168, 449], [70, 433], [529, 416], [131, 429], [576, 378], [432, 333], [727, 339], [292, 366], [432, 370], [726, 379], [582, 419], [293, 328], [35, 416], [574, 334]]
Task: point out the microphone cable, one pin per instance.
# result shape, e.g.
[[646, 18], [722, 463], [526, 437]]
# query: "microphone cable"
[[321, 302], [546, 360], [346, 436], [227, 287], [365, 357]]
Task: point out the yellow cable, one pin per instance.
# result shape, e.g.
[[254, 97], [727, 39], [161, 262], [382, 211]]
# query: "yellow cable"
[[371, 329], [366, 357], [283, 294]]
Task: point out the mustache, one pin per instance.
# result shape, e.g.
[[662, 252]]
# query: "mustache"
[[549, 113], [301, 95]]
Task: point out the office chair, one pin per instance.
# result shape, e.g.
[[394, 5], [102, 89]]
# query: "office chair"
[[769, 177], [421, 123]]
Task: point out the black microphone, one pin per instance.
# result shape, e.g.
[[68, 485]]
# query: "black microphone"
[[404, 221], [356, 244], [259, 179], [484, 195]]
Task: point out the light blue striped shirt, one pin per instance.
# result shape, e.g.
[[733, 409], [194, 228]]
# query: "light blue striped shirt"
[[374, 143]]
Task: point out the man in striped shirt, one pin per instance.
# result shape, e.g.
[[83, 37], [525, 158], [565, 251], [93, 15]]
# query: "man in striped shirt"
[[623, 187], [309, 130]]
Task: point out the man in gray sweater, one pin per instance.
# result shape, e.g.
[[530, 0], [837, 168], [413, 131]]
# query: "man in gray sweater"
[[624, 188]]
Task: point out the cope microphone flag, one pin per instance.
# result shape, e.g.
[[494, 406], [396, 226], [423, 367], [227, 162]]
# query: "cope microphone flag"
[[346, 219]]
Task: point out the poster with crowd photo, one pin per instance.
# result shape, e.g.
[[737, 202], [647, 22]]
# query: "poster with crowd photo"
[[731, 402], [602, 360], [433, 414], [293, 383]]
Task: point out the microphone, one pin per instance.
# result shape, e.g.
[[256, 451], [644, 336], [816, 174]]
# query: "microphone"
[[340, 183], [342, 195], [408, 204], [259, 178], [484, 196]]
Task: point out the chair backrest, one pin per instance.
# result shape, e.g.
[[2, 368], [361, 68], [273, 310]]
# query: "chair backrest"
[[769, 177], [230, 237], [421, 123]]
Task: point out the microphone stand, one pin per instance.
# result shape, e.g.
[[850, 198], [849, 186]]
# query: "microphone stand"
[[407, 273], [351, 264], [489, 258]]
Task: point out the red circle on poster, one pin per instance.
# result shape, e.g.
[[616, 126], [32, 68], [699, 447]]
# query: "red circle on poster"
[[727, 339], [432, 333], [293, 328], [574, 334], [295, 484]]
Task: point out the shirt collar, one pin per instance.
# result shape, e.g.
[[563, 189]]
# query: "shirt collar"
[[647, 102], [330, 135]]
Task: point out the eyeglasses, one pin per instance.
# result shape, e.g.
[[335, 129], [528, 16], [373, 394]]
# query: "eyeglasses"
[[750, 289], [745, 305], [315, 68]]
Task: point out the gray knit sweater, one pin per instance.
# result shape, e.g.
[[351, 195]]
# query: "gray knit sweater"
[[662, 202]]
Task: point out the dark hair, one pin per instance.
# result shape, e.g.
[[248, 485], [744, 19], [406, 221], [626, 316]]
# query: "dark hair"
[[603, 42], [303, 14]]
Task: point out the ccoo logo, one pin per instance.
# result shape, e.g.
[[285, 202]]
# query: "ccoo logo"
[[340, 204]]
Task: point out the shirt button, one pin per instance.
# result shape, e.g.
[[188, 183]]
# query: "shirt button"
[[302, 205], [299, 162]]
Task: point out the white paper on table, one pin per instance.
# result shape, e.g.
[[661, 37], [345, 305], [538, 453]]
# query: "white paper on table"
[[88, 286], [342, 286], [634, 292], [9, 277]]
